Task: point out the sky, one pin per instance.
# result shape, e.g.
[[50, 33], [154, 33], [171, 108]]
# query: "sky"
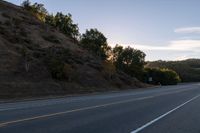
[[163, 29]]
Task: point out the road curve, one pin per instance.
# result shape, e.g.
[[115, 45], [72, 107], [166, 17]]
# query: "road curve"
[[169, 109]]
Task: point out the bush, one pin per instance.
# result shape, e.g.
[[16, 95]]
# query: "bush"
[[36, 9], [187, 69], [161, 76]]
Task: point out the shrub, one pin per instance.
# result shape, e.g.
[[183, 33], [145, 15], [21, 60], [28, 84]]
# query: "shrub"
[[162, 76], [36, 9]]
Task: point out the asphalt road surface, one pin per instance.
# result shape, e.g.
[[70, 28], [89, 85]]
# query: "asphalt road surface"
[[169, 109]]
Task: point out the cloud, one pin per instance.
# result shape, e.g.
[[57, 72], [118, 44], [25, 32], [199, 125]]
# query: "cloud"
[[185, 45], [188, 30], [173, 50], [176, 45]]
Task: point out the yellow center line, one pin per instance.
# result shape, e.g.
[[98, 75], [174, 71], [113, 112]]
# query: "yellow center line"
[[85, 108]]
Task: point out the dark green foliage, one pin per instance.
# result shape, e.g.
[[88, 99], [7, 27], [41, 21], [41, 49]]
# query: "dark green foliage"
[[50, 20], [129, 60], [96, 42], [161, 76], [189, 70], [116, 51], [36, 9], [62, 22], [66, 25]]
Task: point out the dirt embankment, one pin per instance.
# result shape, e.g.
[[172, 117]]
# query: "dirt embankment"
[[32, 53]]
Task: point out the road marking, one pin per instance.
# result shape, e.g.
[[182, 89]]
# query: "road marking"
[[48, 104], [56, 102], [162, 116], [71, 111], [85, 108]]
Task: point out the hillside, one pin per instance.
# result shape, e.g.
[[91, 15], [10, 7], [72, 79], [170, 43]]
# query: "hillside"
[[189, 70], [32, 53]]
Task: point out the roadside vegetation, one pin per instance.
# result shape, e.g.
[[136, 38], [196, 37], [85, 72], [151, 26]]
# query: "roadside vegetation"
[[161, 76], [118, 59], [188, 70]]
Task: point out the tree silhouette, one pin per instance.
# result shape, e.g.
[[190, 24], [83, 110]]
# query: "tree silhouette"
[[94, 41], [129, 60], [62, 22]]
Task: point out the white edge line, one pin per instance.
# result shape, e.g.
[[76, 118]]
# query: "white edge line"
[[162, 116], [85, 108]]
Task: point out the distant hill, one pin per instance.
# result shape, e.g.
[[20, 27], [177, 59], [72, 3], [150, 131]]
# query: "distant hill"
[[33, 52], [189, 70]]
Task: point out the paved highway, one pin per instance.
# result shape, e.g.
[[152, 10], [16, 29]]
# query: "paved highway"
[[169, 109]]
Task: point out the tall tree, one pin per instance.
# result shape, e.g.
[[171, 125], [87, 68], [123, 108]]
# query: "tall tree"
[[129, 60], [94, 41], [65, 24], [116, 51]]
